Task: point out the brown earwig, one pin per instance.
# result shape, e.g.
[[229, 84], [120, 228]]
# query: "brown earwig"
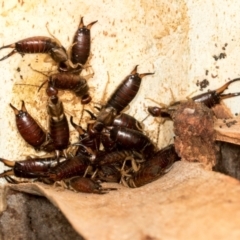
[[132, 139], [38, 44], [70, 82], [210, 99], [58, 124], [29, 168], [154, 168], [81, 44], [126, 91], [74, 166], [214, 97], [28, 128], [120, 99], [87, 185]]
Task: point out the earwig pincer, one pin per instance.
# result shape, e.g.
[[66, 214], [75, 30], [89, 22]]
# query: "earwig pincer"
[[153, 168], [81, 44], [120, 99], [28, 128], [38, 44], [210, 99]]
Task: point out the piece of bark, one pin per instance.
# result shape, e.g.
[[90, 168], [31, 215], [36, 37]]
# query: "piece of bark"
[[228, 159], [195, 136], [228, 130], [221, 111], [173, 207]]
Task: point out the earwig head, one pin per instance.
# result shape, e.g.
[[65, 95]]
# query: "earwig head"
[[155, 111], [51, 90], [107, 115]]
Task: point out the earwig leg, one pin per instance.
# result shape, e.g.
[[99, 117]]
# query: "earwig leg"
[[86, 171], [59, 43], [94, 174], [9, 55], [13, 181]]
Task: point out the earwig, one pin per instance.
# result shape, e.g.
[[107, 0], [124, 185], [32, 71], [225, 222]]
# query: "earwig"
[[28, 128], [214, 97], [29, 168], [58, 124], [70, 82], [126, 91], [120, 99], [210, 99], [81, 44], [38, 44], [154, 168], [87, 185], [132, 139], [74, 166]]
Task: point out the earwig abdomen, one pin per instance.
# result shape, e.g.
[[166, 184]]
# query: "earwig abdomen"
[[132, 139], [35, 45], [28, 128], [127, 121], [154, 167], [75, 166], [81, 44], [59, 132], [116, 156], [30, 168], [38, 44], [126, 91]]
